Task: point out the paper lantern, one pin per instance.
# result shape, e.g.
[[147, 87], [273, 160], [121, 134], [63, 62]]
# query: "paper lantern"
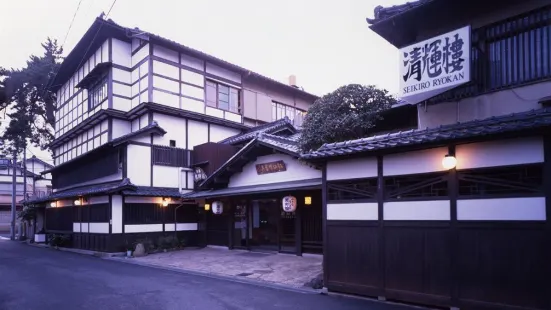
[[289, 203], [217, 207], [449, 162]]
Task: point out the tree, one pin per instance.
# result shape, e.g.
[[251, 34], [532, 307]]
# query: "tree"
[[30, 105], [344, 114]]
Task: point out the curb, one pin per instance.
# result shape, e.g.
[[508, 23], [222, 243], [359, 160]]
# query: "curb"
[[219, 277], [78, 251]]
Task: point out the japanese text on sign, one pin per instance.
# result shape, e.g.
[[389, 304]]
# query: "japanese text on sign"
[[436, 63], [276, 166]]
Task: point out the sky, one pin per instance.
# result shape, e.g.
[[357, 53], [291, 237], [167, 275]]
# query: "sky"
[[325, 43]]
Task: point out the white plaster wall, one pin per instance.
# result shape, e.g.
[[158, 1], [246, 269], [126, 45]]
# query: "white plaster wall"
[[193, 105], [352, 211], [198, 133], [84, 227], [192, 77], [352, 168], [99, 228], [148, 199], [121, 53], [76, 227], [167, 99], [116, 213], [181, 226], [435, 210], [192, 91], [140, 55], [224, 73], [164, 176], [166, 84], [500, 153], [165, 53], [295, 171], [143, 228], [192, 62], [232, 117], [214, 112], [122, 75], [502, 209], [138, 157], [175, 130], [120, 128], [218, 133], [414, 162], [97, 200], [166, 69], [122, 90], [122, 104]]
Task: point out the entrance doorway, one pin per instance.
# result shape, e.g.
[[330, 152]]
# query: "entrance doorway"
[[264, 224]]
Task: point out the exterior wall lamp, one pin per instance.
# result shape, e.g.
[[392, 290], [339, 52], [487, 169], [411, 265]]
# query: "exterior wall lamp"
[[165, 202], [53, 204], [449, 162], [207, 207], [307, 200]]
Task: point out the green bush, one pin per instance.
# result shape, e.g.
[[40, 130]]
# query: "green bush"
[[58, 240]]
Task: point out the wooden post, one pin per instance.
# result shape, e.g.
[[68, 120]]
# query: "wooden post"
[[381, 204], [298, 227], [454, 233]]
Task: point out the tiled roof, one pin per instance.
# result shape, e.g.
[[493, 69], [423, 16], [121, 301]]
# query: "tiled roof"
[[284, 143], [96, 189], [270, 128], [151, 128], [153, 191], [491, 126], [382, 13]]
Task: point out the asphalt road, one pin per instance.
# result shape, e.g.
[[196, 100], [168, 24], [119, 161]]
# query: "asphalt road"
[[39, 278]]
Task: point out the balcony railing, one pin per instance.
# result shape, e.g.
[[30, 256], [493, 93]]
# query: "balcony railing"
[[507, 54], [171, 156]]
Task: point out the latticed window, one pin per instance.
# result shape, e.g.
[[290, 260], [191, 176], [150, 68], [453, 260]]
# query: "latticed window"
[[429, 185], [363, 189], [501, 181], [222, 97], [98, 92]]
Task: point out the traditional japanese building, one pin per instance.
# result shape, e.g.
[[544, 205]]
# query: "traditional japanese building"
[[455, 213], [132, 107]]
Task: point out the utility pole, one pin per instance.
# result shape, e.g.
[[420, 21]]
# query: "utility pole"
[[24, 169], [13, 195]]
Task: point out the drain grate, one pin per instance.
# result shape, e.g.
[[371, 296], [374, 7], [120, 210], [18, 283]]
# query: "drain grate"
[[244, 274]]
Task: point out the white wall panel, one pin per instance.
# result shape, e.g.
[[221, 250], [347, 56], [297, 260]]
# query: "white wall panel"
[[97, 200], [500, 153], [353, 211], [97, 58], [121, 53], [144, 120], [76, 227], [232, 117], [175, 130], [295, 171], [414, 162], [198, 133], [193, 77], [122, 104], [138, 157], [99, 228], [434, 210], [181, 226], [143, 228], [352, 168], [192, 91], [193, 105], [218, 133], [148, 199], [105, 51], [192, 62], [116, 213], [122, 76], [502, 209], [165, 69], [165, 53], [123, 90], [214, 112], [166, 84], [224, 73], [164, 176], [166, 99], [84, 227], [140, 55]]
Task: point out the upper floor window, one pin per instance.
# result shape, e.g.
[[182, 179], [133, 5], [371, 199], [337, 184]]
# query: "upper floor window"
[[97, 93], [280, 110], [222, 96]]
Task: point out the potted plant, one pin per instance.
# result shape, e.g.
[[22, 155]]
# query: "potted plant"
[[40, 236], [129, 249]]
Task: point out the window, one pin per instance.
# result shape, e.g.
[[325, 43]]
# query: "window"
[[173, 143], [222, 97], [98, 93], [280, 110]]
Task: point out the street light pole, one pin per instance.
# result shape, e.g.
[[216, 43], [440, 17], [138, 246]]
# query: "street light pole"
[[13, 195]]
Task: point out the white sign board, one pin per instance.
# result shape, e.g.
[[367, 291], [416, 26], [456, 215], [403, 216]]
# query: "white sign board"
[[436, 65]]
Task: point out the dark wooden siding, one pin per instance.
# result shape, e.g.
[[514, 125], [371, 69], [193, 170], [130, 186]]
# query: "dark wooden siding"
[[212, 155], [170, 156], [59, 219], [92, 166]]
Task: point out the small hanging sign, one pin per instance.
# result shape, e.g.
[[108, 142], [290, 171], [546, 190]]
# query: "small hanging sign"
[[271, 167]]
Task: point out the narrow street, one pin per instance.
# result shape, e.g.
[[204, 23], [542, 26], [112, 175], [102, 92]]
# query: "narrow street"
[[36, 278]]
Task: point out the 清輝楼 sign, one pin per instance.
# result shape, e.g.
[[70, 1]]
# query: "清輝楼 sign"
[[436, 65]]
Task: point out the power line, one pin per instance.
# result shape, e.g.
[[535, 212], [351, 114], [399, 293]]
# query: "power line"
[[71, 24]]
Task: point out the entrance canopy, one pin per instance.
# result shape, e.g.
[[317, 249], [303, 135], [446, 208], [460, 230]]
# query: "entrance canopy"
[[257, 189]]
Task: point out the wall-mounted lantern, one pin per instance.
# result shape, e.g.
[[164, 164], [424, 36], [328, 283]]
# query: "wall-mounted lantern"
[[449, 162], [217, 207], [164, 203], [207, 207], [289, 203], [53, 204], [78, 202], [307, 200]]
